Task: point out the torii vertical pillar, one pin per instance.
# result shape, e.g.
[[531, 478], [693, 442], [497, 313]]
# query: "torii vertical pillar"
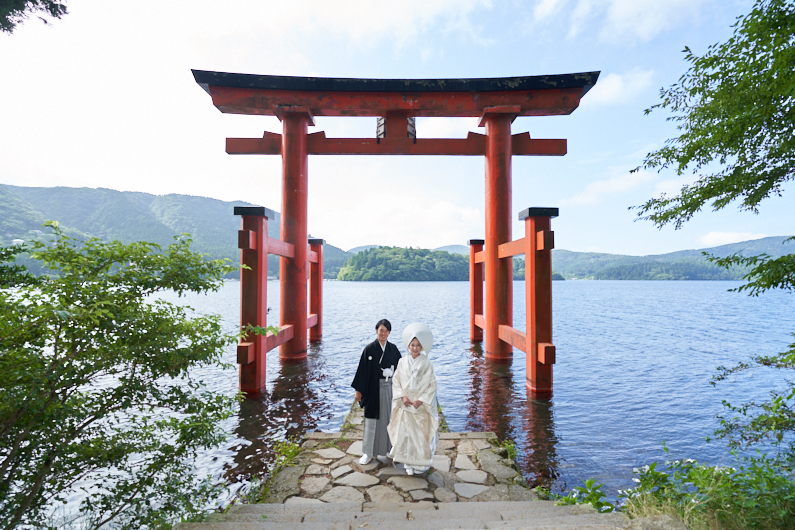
[[499, 272], [253, 243], [539, 242], [316, 289], [293, 272], [475, 290]]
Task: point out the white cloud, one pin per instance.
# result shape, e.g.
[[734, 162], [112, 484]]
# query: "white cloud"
[[598, 190], [618, 88], [386, 207], [714, 239], [545, 8], [283, 26], [621, 20], [645, 18]]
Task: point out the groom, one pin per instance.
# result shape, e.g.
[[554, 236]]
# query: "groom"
[[373, 385]]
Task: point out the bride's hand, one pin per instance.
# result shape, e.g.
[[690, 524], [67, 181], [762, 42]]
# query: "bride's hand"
[[417, 404], [406, 401]]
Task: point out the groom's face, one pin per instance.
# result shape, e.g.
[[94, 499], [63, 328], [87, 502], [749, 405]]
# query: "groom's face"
[[383, 333]]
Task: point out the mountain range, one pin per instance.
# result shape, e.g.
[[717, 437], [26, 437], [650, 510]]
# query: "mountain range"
[[133, 216], [680, 265]]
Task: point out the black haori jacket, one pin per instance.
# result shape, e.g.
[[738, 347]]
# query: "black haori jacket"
[[369, 373]]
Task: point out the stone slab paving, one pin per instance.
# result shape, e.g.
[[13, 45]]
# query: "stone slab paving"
[[342, 494], [441, 462], [331, 452], [364, 468], [316, 469], [338, 472], [444, 495], [468, 491], [408, 483], [314, 484], [359, 480], [343, 462], [355, 448], [467, 467], [463, 462], [384, 494], [475, 476], [421, 495]]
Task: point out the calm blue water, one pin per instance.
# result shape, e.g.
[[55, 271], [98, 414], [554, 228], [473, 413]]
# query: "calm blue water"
[[634, 361]]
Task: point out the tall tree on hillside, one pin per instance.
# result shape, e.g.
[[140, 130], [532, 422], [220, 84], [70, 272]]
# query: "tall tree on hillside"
[[12, 12], [735, 110]]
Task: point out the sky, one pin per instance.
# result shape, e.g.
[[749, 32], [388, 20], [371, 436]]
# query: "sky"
[[105, 98]]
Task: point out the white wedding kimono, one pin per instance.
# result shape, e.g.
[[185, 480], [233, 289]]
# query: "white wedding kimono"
[[414, 431]]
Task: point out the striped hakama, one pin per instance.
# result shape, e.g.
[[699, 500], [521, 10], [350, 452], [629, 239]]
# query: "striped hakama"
[[376, 440]]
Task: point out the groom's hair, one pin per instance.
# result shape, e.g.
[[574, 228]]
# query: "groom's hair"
[[384, 322]]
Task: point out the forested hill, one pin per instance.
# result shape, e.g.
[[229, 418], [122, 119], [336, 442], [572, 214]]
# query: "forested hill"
[[398, 264], [133, 216], [681, 265], [405, 264]]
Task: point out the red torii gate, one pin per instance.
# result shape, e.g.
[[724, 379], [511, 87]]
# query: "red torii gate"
[[496, 101]]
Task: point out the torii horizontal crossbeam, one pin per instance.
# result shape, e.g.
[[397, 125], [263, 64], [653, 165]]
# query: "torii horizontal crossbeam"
[[545, 95], [317, 144]]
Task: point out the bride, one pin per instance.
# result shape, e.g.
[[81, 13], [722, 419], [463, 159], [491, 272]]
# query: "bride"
[[414, 424]]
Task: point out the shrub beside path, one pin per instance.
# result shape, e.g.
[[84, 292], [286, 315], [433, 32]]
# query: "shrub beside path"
[[325, 487]]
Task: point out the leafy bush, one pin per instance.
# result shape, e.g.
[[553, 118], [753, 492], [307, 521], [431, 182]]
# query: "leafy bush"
[[510, 448], [757, 494], [96, 384], [285, 450], [591, 494]]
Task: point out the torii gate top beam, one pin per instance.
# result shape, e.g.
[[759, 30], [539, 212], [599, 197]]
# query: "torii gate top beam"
[[546, 95]]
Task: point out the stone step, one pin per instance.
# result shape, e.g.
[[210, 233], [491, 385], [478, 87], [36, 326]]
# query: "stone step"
[[575, 522], [459, 509], [262, 526], [303, 509], [401, 515], [538, 515], [596, 520]]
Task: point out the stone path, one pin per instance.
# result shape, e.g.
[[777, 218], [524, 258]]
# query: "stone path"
[[326, 488], [467, 467]]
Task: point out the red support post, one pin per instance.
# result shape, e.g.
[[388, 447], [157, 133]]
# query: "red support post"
[[316, 289], [539, 241], [499, 272], [293, 272], [475, 290], [253, 243]]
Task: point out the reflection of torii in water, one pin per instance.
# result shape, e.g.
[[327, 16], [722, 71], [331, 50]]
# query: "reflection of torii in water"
[[497, 102], [494, 405]]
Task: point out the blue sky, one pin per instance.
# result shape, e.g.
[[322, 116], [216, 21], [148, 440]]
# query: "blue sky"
[[105, 98]]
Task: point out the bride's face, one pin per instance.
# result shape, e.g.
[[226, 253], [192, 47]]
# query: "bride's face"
[[415, 347]]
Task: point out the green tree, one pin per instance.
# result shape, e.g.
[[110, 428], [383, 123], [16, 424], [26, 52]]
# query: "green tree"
[[735, 109], [389, 264], [12, 12], [96, 382]]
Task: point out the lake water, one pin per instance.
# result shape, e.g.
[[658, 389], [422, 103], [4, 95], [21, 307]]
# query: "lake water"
[[634, 363]]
